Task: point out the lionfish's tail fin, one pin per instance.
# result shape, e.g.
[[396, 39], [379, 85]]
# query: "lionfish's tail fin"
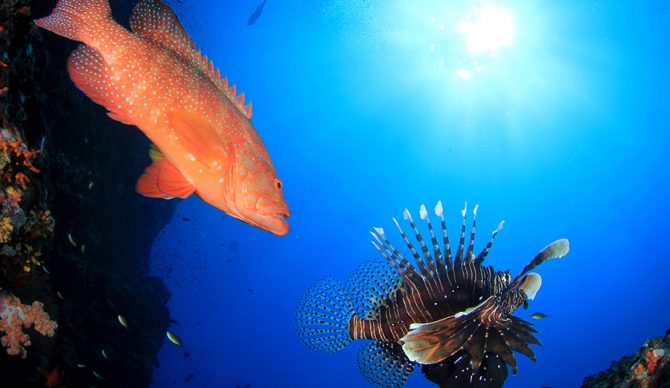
[[477, 330], [557, 249], [384, 364], [323, 315]]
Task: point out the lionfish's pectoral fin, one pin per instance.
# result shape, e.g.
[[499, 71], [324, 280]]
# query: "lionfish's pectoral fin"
[[477, 330], [555, 250], [429, 343]]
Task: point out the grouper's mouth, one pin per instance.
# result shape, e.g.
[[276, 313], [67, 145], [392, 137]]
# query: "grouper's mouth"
[[271, 216]]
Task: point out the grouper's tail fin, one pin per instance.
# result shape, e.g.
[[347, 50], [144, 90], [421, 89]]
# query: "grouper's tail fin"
[[78, 20], [323, 315]]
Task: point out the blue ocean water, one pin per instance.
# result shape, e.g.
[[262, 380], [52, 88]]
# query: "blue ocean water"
[[363, 108]]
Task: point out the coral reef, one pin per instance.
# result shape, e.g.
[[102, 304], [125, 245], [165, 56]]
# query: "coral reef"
[[648, 368], [62, 159], [15, 317], [26, 225]]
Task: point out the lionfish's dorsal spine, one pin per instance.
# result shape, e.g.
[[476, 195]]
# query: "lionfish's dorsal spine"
[[458, 263], [482, 255], [439, 261], [439, 211], [430, 273], [420, 264], [469, 256], [430, 263], [409, 274], [428, 270]]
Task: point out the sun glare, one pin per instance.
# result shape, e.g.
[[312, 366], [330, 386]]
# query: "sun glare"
[[488, 30]]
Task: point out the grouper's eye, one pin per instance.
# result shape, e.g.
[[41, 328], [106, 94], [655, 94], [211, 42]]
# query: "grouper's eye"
[[278, 184]]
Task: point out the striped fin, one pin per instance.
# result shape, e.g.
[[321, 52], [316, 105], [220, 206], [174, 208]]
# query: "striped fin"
[[469, 256], [429, 262], [440, 275], [461, 243], [384, 364], [156, 21], [323, 315], [482, 255], [372, 286], [456, 371], [555, 250], [426, 274], [421, 265], [477, 330], [440, 267], [406, 270], [445, 237]]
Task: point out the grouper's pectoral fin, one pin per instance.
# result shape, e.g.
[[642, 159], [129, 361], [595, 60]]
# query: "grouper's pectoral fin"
[[200, 137], [162, 180]]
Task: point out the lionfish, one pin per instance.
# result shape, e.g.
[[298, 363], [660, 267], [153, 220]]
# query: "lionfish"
[[448, 313]]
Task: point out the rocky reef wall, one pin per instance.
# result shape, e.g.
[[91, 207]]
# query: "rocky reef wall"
[[76, 237], [648, 368]]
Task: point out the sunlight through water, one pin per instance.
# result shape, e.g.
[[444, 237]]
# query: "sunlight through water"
[[491, 29]]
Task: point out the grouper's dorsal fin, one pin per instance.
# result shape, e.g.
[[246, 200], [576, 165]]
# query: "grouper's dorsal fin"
[[156, 21]]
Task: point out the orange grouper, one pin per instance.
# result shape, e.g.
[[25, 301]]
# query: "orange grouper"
[[154, 78]]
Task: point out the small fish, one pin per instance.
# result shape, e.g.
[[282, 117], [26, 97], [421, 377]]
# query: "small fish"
[[188, 378], [448, 311], [45, 269], [83, 249], [81, 365], [90, 185], [122, 320], [60, 296], [104, 354], [539, 315], [173, 338], [187, 355], [154, 78], [70, 238], [99, 376], [185, 219], [256, 14]]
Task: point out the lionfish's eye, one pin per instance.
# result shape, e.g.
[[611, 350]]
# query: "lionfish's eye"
[[278, 184]]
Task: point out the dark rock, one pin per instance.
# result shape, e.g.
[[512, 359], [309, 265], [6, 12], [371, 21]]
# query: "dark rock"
[[649, 368]]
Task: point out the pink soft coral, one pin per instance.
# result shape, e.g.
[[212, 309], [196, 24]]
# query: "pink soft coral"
[[14, 317]]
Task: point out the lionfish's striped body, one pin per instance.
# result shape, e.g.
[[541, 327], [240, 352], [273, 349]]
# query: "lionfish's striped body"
[[446, 312]]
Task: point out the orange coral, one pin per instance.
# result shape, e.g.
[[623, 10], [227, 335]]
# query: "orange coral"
[[15, 317], [19, 158], [652, 357]]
